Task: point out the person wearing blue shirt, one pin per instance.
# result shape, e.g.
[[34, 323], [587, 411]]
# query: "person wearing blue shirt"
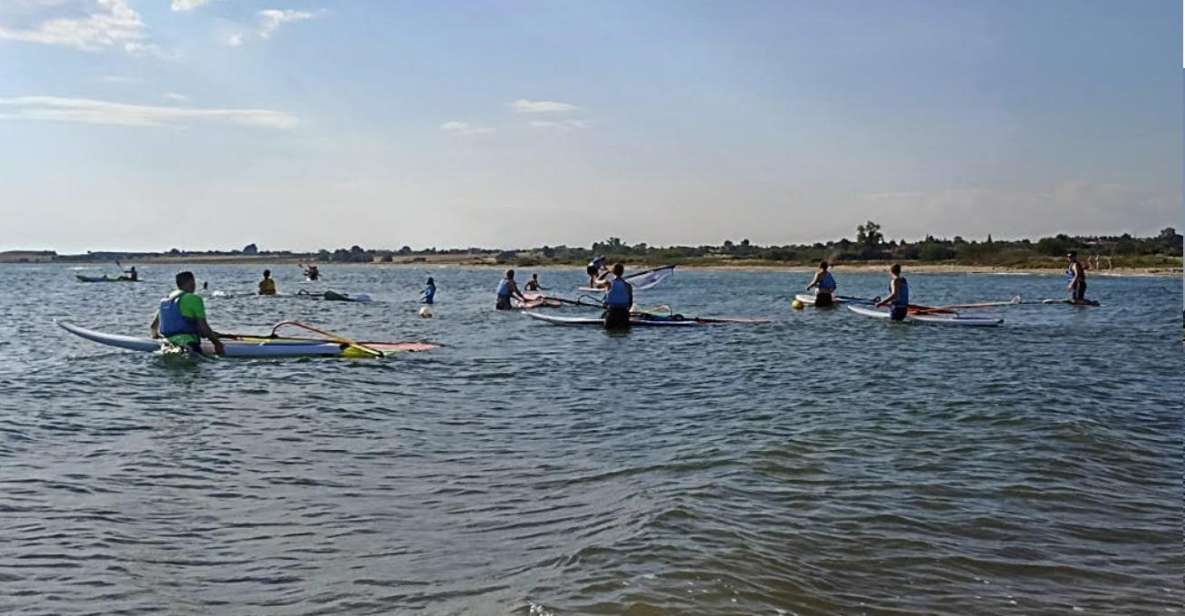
[[619, 299], [429, 292], [898, 298], [825, 283], [506, 290]]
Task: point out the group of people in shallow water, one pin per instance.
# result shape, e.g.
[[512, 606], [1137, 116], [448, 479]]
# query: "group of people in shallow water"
[[618, 301], [181, 317], [825, 287]]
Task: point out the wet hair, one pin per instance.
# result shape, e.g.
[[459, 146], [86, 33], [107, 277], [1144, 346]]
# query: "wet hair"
[[895, 268], [510, 274], [267, 273], [823, 265], [183, 277], [618, 269], [430, 281]]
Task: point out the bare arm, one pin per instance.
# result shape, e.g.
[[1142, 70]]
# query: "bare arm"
[[205, 332], [892, 296], [814, 282], [155, 327]]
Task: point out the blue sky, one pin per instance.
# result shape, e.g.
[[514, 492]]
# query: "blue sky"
[[137, 124]]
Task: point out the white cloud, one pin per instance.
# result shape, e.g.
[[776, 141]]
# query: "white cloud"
[[235, 40], [464, 129], [187, 5], [560, 125], [271, 19], [90, 111], [173, 96], [105, 24], [523, 105]]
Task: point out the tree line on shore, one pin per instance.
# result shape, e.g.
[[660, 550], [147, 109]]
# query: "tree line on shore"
[[869, 245]]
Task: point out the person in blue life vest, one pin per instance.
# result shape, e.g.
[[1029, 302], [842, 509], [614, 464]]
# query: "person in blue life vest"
[[429, 292], [181, 318], [619, 298], [508, 289], [898, 298], [825, 283]]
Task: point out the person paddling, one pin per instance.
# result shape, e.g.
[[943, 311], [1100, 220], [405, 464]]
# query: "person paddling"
[[618, 300], [429, 292], [1076, 274], [181, 318], [825, 283], [898, 297], [267, 286], [132, 274], [311, 272], [506, 290], [533, 284]]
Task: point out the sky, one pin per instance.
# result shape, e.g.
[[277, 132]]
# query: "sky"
[[293, 124]]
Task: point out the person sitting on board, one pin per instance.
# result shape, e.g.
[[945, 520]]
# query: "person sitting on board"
[[898, 297], [508, 289], [131, 274], [182, 318], [267, 286], [596, 272], [1076, 274], [312, 273], [533, 284], [618, 300], [429, 292], [825, 283]]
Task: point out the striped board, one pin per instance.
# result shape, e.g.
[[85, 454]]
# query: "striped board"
[[254, 346]]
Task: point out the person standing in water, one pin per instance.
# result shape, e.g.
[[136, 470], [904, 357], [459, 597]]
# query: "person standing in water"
[[825, 283], [429, 292], [182, 318], [595, 271], [267, 286], [533, 284], [898, 298], [506, 290], [1076, 274], [618, 300]]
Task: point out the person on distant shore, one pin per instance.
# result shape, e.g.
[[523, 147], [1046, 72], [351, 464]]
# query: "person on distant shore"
[[596, 272], [825, 283], [429, 292], [618, 300], [533, 284], [898, 297], [508, 289], [1076, 274], [181, 318], [267, 286], [132, 274]]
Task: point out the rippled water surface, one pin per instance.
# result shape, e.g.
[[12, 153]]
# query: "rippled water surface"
[[820, 464]]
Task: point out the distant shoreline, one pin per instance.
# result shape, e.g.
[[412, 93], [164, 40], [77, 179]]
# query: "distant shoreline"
[[442, 261]]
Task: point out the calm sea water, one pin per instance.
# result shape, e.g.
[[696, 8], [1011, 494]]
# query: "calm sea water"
[[820, 464]]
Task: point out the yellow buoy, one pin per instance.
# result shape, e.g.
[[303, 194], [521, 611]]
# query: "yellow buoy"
[[797, 304]]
